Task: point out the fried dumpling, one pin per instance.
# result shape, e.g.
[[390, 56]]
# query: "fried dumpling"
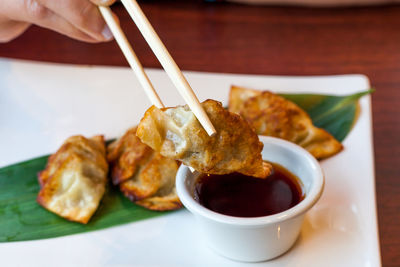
[[75, 178], [162, 201], [125, 156], [176, 133], [86, 147], [272, 115], [143, 175]]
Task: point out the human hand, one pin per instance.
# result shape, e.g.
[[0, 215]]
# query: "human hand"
[[78, 19]]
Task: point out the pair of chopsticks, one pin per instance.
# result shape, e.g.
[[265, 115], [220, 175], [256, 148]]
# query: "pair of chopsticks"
[[163, 56]]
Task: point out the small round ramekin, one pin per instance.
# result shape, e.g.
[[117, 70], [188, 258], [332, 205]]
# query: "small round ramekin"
[[257, 238]]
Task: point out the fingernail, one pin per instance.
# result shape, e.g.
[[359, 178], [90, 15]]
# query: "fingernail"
[[105, 2], [107, 34]]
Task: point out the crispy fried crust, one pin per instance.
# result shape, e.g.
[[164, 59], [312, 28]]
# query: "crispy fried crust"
[[272, 115], [161, 203], [238, 96], [148, 179], [93, 149], [176, 133], [74, 180], [154, 183], [125, 155]]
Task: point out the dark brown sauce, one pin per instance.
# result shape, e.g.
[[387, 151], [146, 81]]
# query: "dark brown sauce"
[[239, 195]]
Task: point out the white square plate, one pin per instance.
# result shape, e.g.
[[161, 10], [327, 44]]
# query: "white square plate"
[[42, 104]]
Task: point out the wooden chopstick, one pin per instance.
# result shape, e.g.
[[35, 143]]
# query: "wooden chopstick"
[[168, 64], [130, 56]]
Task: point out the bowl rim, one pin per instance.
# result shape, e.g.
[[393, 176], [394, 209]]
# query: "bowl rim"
[[310, 199]]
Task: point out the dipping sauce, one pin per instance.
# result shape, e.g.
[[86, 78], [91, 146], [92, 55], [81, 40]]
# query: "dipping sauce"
[[239, 195]]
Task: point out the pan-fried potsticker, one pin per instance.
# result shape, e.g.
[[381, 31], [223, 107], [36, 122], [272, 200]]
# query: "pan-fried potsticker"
[[143, 175], [176, 133], [75, 178], [126, 155], [272, 115]]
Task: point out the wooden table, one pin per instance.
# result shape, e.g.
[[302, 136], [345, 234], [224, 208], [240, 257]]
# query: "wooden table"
[[221, 37]]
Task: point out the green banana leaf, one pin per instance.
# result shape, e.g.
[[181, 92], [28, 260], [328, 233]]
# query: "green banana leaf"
[[335, 114], [21, 218]]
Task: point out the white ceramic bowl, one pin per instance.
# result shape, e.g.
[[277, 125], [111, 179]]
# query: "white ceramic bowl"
[[257, 238]]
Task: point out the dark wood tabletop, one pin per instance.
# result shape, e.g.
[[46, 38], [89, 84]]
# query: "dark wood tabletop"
[[221, 37]]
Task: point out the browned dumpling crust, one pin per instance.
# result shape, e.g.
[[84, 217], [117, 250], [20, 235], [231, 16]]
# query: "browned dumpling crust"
[[75, 178], [92, 148], [125, 156], [176, 133], [143, 175], [272, 115], [161, 202]]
